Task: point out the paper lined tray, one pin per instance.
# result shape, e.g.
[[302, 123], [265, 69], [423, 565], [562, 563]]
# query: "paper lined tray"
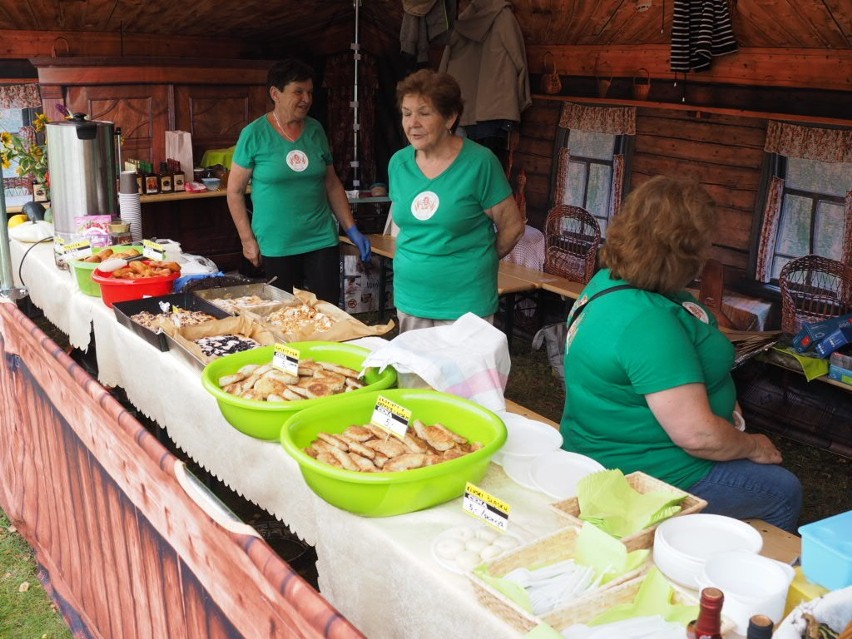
[[559, 546], [223, 295], [642, 483], [124, 311], [181, 339]]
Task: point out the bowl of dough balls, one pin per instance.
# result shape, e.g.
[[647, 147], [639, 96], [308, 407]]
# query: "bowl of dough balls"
[[463, 548]]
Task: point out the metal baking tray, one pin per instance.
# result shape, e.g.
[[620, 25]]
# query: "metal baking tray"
[[264, 291], [125, 310]]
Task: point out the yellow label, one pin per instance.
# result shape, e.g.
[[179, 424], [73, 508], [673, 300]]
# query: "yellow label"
[[486, 507], [153, 251], [286, 358], [391, 416]]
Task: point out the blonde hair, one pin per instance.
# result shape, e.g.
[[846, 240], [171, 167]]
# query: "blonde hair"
[[662, 236]]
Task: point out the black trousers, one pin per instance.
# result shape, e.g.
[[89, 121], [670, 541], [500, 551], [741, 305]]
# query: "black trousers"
[[316, 271]]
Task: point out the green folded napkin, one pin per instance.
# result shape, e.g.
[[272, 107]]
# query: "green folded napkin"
[[812, 366], [543, 631], [609, 502], [654, 597]]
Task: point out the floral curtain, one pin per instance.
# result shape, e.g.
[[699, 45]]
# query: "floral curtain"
[[771, 215], [809, 143], [847, 235], [612, 120], [563, 158], [19, 96], [617, 182]]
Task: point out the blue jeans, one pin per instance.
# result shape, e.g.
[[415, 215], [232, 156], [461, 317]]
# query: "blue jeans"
[[744, 489]]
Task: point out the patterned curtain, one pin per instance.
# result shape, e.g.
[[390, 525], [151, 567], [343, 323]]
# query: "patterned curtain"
[[339, 81], [562, 160], [809, 143], [617, 184], [612, 120], [19, 96], [771, 215], [847, 235]]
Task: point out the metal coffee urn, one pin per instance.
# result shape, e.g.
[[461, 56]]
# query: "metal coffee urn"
[[81, 161]]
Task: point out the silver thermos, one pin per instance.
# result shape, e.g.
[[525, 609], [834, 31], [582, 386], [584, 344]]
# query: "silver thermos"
[[82, 164]]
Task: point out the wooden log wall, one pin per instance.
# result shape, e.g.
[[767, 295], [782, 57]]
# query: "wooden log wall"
[[723, 152], [110, 515]]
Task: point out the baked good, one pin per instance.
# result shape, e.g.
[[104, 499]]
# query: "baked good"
[[219, 345]]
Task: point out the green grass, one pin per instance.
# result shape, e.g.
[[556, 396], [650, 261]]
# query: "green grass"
[[29, 614]]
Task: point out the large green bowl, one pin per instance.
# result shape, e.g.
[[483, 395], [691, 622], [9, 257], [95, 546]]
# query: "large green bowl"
[[394, 493], [264, 419]]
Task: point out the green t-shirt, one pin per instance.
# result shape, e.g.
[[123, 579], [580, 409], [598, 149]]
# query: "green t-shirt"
[[446, 258], [291, 213], [625, 345]]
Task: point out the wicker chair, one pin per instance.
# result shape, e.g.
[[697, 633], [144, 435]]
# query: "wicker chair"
[[813, 289], [571, 239]]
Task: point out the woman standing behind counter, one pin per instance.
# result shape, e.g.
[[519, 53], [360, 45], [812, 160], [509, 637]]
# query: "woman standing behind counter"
[[296, 194], [647, 372], [454, 208]]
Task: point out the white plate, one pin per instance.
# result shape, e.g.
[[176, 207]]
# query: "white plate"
[[519, 470], [527, 437], [556, 473], [464, 533]]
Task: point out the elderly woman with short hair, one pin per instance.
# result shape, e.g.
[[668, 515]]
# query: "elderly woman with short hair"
[[647, 372], [454, 208]]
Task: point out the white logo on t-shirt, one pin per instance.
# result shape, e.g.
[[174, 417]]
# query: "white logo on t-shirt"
[[425, 205], [696, 311], [297, 160]]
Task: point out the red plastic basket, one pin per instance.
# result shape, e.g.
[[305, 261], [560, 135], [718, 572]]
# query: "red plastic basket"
[[114, 289]]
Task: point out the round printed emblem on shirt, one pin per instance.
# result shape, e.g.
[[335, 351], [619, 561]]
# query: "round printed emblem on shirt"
[[297, 160], [425, 205], [696, 311]]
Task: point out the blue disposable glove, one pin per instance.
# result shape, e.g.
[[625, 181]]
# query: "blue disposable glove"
[[360, 242]]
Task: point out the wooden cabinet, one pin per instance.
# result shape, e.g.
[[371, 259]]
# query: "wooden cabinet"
[[141, 110], [216, 115]]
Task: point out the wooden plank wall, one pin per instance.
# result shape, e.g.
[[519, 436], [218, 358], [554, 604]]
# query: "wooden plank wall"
[[125, 545], [724, 153]]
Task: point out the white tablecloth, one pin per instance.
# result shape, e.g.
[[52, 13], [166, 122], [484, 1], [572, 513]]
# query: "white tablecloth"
[[378, 572]]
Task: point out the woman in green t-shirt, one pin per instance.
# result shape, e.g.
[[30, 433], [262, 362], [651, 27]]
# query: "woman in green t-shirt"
[[647, 372], [296, 195], [454, 208]]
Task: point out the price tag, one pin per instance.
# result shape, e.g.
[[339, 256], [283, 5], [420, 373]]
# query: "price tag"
[[153, 251], [486, 507], [286, 358], [77, 250], [391, 416]]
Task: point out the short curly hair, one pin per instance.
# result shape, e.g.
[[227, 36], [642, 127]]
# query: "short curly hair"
[[290, 70], [441, 89], [662, 235]]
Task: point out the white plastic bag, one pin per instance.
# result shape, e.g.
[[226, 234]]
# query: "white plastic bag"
[[179, 147], [469, 358]]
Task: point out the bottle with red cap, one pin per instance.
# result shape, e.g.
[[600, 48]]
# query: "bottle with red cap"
[[709, 622]]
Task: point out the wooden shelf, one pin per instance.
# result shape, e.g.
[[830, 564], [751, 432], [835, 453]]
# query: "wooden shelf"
[[180, 195], [679, 106]]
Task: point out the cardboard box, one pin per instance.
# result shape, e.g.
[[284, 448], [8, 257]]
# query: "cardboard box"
[[834, 340], [360, 285], [813, 332]]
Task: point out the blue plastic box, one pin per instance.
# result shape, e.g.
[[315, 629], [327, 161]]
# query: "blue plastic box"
[[812, 333], [827, 551]]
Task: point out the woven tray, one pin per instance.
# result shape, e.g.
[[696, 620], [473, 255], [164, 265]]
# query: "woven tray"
[[642, 483], [556, 547]]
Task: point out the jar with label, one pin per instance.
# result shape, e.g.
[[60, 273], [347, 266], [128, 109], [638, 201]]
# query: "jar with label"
[[119, 233]]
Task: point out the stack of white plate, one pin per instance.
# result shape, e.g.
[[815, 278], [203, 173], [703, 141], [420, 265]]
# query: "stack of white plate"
[[532, 458], [130, 211]]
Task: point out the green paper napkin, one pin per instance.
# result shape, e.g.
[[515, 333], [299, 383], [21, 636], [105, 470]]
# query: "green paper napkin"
[[606, 554], [509, 588], [653, 598], [609, 502], [812, 366], [543, 631]]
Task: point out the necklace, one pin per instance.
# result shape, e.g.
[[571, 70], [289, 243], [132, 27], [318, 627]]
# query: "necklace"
[[281, 128]]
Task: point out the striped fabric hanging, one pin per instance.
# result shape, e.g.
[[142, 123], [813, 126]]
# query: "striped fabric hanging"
[[701, 29]]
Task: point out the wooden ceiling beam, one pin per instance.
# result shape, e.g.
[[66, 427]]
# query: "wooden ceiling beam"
[[782, 67]]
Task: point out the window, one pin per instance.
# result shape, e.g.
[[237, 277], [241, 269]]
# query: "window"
[[12, 120], [590, 168], [812, 210]]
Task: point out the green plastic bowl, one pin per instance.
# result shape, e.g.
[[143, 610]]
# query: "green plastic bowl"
[[83, 270], [386, 494], [265, 419]]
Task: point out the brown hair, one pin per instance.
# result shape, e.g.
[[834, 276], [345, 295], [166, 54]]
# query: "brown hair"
[[441, 89], [662, 235]]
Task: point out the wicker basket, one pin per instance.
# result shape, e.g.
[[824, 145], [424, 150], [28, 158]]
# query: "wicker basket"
[[642, 483], [558, 546]]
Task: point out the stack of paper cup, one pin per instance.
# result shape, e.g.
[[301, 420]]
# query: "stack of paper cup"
[[130, 210]]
